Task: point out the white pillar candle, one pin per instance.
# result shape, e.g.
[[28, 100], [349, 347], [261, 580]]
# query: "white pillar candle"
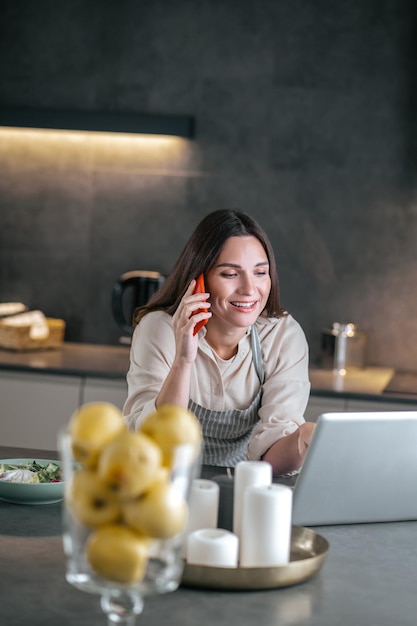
[[248, 474], [213, 547], [203, 504], [265, 539]]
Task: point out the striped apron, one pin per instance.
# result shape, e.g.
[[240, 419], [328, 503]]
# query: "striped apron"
[[226, 434]]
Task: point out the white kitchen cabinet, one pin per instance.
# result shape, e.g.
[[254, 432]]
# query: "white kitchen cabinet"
[[34, 407], [102, 390]]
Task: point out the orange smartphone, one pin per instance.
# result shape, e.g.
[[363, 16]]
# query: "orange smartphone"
[[199, 288]]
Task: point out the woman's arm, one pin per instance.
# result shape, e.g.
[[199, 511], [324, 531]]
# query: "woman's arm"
[[162, 355], [151, 356], [287, 454], [282, 435], [176, 387]]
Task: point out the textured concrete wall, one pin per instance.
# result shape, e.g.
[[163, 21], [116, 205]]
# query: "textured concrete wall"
[[305, 118]]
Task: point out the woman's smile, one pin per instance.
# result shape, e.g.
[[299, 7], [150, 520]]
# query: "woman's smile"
[[245, 306]]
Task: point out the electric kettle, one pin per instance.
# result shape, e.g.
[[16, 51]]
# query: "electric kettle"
[[132, 290]]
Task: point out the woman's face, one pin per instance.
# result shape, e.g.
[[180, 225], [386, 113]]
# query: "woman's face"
[[239, 282]]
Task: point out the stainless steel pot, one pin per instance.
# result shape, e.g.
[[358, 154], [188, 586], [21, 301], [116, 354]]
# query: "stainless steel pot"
[[343, 347]]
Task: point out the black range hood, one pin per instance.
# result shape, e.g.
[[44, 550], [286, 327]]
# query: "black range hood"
[[98, 121]]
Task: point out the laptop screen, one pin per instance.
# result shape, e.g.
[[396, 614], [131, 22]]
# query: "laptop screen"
[[360, 467]]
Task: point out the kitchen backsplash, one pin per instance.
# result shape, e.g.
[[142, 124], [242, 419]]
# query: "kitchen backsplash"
[[305, 118]]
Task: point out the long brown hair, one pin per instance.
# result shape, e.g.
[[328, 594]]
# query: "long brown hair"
[[200, 254]]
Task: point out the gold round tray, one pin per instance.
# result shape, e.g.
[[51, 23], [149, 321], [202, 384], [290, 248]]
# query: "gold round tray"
[[308, 553]]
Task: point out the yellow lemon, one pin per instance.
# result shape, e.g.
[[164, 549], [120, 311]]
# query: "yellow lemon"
[[91, 428], [117, 553], [130, 463], [90, 500], [171, 426], [161, 512]]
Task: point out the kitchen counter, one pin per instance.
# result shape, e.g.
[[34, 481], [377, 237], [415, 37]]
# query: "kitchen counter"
[[371, 383], [73, 359], [368, 578], [112, 362]]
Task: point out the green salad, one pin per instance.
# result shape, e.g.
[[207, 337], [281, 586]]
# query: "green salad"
[[31, 472]]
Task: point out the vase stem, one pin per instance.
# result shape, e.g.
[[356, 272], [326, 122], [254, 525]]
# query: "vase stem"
[[121, 607]]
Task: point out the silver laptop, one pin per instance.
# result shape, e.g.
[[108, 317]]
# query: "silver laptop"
[[360, 467]]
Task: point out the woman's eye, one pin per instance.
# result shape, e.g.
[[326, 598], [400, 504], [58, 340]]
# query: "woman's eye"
[[229, 275]]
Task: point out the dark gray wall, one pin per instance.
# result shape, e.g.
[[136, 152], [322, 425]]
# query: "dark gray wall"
[[306, 119]]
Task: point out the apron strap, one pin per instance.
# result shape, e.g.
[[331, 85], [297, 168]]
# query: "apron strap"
[[257, 354]]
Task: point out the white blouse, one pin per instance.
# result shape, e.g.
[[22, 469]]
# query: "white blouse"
[[221, 385]]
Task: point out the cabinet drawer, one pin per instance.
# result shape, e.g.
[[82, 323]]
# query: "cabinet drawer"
[[98, 390], [34, 408]]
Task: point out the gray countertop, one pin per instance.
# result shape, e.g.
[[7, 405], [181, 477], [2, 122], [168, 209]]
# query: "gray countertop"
[[73, 359], [369, 578], [371, 383]]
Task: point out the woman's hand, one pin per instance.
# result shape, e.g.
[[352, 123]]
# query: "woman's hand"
[[176, 386], [287, 454], [184, 321]]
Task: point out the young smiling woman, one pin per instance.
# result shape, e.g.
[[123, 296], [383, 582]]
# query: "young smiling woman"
[[245, 373]]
